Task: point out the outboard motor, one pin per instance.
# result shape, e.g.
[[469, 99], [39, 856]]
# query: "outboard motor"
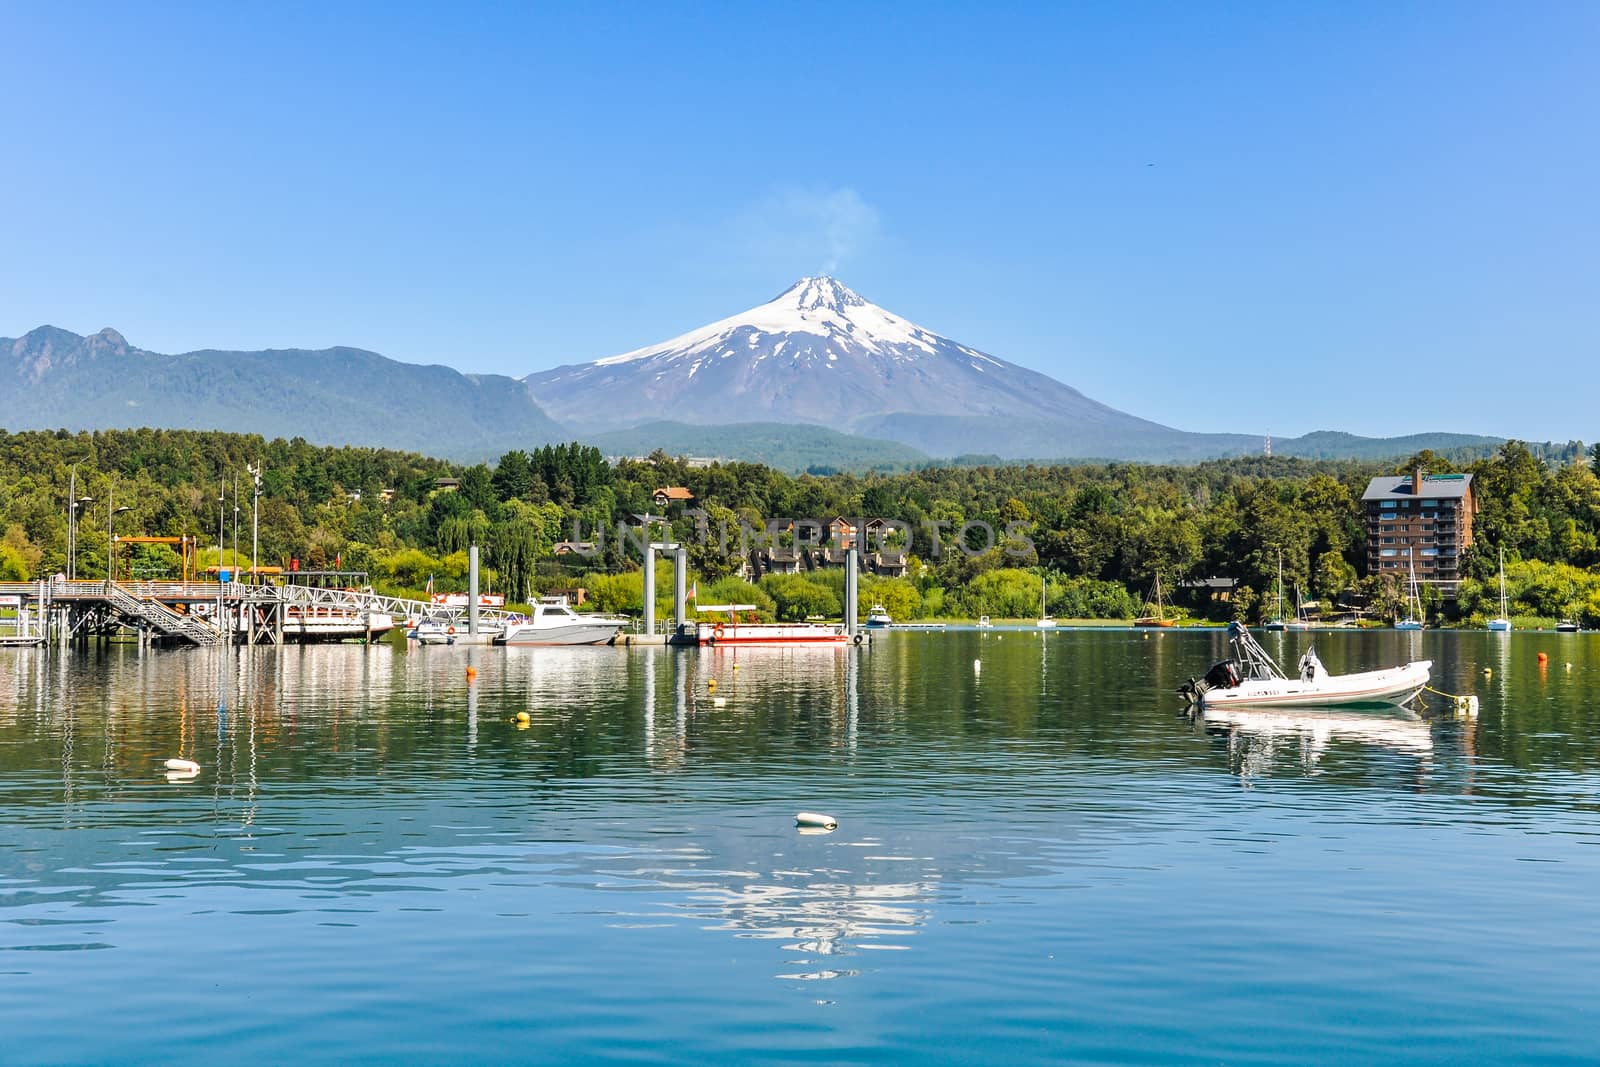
[[1222, 675]]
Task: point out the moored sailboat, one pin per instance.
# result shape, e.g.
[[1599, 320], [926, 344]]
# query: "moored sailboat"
[[1276, 622], [1502, 623], [1159, 616], [1413, 619], [1045, 621], [1302, 615]]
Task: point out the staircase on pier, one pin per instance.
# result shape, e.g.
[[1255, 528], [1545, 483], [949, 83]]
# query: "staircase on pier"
[[157, 617]]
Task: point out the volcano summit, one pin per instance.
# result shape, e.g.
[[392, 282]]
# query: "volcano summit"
[[820, 353]]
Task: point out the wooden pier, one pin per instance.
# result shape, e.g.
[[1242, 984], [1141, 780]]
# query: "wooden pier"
[[201, 613]]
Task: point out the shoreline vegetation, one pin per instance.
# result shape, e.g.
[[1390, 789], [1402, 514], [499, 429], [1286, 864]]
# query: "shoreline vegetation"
[[1098, 534]]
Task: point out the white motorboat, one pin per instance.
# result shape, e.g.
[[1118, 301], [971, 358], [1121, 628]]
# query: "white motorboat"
[[434, 630], [555, 623], [878, 617], [984, 623], [1253, 679]]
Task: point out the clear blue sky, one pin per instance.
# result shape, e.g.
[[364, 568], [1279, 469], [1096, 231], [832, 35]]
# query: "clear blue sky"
[[1375, 217]]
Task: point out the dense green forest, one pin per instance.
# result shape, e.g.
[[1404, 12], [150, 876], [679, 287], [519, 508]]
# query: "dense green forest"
[[1098, 534]]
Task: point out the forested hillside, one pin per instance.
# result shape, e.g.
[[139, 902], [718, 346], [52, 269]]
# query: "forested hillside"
[[1100, 534]]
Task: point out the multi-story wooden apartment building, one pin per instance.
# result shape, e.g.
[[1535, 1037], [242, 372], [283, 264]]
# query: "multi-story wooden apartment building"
[[1419, 522]]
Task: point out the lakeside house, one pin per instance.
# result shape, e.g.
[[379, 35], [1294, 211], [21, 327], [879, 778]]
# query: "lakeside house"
[[1420, 522], [878, 555], [668, 495]]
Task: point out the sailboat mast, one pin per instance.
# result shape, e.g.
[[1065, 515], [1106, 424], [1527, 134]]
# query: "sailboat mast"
[[1414, 605], [1503, 614]]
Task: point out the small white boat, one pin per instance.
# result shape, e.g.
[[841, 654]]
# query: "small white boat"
[[984, 623], [555, 623], [878, 617], [1253, 679], [434, 630]]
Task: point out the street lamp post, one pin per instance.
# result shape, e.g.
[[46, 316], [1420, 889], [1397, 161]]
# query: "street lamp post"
[[74, 505], [222, 501], [77, 506], [255, 518], [111, 518], [72, 514], [83, 506]]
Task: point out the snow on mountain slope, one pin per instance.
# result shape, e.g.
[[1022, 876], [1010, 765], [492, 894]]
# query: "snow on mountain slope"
[[817, 307], [818, 353]]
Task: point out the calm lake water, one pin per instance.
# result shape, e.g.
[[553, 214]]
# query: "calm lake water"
[[1040, 860]]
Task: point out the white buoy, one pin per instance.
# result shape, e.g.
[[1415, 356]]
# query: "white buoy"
[[183, 766], [977, 666], [811, 818]]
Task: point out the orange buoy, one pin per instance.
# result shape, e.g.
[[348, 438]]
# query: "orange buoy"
[[1544, 657], [472, 672]]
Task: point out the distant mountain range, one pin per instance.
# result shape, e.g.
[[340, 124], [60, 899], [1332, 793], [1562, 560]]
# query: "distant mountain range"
[[51, 378], [818, 377]]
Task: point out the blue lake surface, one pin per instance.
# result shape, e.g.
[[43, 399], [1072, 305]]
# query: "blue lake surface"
[[1039, 859]]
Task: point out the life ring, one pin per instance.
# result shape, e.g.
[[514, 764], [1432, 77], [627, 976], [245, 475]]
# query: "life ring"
[[451, 631], [858, 639], [717, 632]]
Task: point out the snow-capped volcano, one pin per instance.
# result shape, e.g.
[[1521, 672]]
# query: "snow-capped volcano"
[[818, 353], [824, 315]]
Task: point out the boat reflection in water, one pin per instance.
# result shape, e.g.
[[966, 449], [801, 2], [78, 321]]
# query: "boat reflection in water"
[[1259, 738], [825, 920]]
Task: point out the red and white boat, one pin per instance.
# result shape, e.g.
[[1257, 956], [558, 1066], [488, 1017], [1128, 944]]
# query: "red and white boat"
[[776, 634]]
